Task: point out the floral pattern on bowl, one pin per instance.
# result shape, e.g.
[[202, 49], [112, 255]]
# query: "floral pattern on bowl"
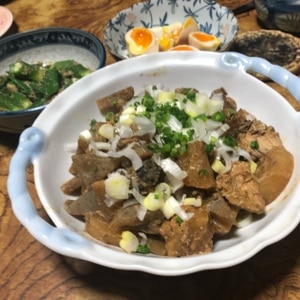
[[279, 14], [211, 17]]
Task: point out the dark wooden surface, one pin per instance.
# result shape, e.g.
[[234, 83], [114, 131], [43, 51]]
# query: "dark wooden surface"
[[28, 270]]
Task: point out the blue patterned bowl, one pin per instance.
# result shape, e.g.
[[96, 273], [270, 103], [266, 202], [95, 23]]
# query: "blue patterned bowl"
[[281, 14], [211, 17], [46, 45]]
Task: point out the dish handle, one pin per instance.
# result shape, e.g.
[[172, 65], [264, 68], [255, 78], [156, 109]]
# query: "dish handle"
[[61, 240], [259, 65]]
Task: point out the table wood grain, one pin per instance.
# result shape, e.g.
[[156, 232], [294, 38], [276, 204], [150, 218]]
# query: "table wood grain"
[[28, 270]]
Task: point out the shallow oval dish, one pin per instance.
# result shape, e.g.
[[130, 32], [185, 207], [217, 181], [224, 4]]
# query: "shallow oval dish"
[[211, 17], [46, 45], [62, 121]]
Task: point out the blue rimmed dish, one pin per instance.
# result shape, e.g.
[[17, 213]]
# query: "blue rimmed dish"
[[212, 18], [46, 45]]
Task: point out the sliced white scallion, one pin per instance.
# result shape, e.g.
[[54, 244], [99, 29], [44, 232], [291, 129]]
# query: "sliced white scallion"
[[85, 135], [117, 186], [141, 213], [165, 97], [214, 105], [167, 209], [102, 146], [107, 131], [126, 119], [174, 123], [174, 173], [244, 219], [164, 190], [145, 126], [193, 201], [253, 166], [125, 132], [172, 205], [169, 166], [218, 166], [153, 202], [129, 242], [130, 154]]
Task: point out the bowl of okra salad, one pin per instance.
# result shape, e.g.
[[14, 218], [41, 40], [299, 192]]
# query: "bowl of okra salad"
[[37, 65]]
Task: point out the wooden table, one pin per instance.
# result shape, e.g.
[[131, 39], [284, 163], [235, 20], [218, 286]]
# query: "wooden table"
[[28, 270]]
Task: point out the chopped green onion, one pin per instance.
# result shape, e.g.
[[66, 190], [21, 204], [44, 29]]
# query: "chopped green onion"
[[93, 122], [179, 220], [109, 116], [203, 172], [229, 141], [218, 116], [209, 148], [254, 145], [143, 249]]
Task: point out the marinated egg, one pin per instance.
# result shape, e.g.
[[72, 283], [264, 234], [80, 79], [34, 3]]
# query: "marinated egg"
[[204, 41], [140, 40], [184, 48], [188, 26], [167, 36]]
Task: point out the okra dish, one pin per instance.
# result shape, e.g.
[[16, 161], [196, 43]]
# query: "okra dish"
[[171, 171], [25, 85]]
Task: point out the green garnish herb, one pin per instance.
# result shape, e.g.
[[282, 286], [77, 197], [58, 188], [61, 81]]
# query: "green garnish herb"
[[148, 102], [203, 172], [218, 116], [114, 101], [93, 122], [189, 93], [143, 249], [202, 117], [173, 143], [254, 145], [179, 220], [229, 141], [209, 148], [95, 169]]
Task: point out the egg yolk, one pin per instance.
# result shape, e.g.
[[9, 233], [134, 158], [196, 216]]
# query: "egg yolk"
[[204, 41], [142, 37], [183, 48], [203, 37]]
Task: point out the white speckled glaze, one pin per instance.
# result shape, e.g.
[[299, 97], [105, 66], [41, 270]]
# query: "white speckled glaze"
[[211, 17], [60, 123]]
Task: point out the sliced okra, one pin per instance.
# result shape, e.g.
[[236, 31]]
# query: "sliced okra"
[[25, 71], [71, 68], [51, 85], [14, 101]]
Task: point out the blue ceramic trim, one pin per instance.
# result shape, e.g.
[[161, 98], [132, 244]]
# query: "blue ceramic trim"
[[60, 240], [259, 65], [52, 35]]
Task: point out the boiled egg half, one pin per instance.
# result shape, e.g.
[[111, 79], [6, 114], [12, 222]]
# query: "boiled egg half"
[[140, 40], [203, 41]]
